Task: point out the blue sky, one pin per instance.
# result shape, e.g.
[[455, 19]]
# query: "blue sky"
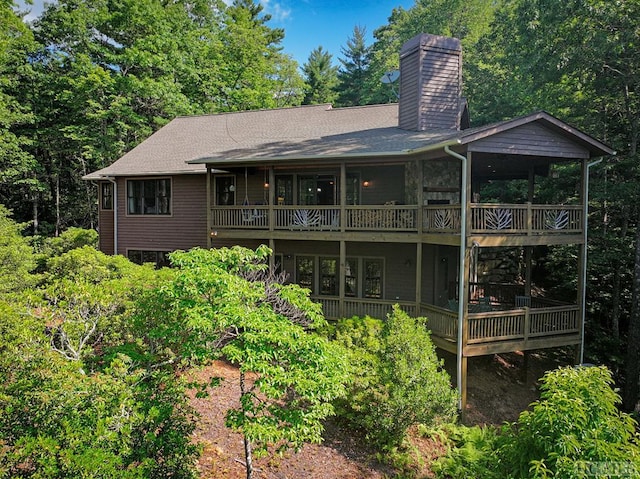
[[311, 23]]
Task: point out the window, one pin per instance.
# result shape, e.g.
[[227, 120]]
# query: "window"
[[325, 273], [149, 197], [351, 278], [373, 278], [329, 277], [159, 258], [284, 189], [106, 196], [353, 189], [317, 190], [305, 272], [225, 190]]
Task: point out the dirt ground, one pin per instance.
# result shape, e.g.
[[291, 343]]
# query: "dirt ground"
[[497, 392]]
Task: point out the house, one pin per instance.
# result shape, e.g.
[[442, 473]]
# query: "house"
[[371, 206]]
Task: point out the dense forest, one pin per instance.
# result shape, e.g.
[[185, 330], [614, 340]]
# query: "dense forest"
[[90, 79]]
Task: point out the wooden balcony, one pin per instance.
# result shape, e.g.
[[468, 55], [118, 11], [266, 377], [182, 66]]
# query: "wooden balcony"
[[494, 331], [505, 220], [498, 330]]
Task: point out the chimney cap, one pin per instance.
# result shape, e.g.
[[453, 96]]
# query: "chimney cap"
[[433, 42]]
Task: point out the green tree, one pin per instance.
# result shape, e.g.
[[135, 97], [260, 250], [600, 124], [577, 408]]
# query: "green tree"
[[321, 78], [463, 19], [288, 374], [108, 74], [17, 164], [56, 421], [17, 259], [398, 379], [580, 60], [352, 74]]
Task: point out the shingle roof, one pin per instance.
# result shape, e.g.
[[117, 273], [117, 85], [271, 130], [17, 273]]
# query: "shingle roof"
[[299, 132], [185, 144]]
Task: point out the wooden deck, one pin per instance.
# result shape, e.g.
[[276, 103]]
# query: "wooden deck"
[[485, 219], [495, 331]]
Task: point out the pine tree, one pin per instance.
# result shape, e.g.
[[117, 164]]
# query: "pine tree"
[[321, 78], [355, 65]]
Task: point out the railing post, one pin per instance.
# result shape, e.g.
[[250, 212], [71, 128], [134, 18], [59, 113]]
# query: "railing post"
[[271, 193], [527, 323], [529, 219]]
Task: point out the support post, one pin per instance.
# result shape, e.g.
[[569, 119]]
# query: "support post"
[[418, 277], [342, 275], [272, 187], [209, 232]]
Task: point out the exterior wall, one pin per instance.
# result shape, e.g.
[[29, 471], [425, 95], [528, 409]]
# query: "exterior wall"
[[439, 273], [430, 83], [399, 262], [441, 180], [185, 228], [530, 139], [105, 226], [386, 184]]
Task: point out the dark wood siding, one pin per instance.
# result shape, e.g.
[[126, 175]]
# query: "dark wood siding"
[[105, 225], [185, 228], [530, 139], [409, 92], [430, 83], [386, 184], [440, 92]]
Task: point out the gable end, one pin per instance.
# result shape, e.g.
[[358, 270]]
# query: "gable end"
[[530, 139]]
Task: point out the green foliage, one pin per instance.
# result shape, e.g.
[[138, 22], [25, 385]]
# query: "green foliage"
[[16, 256], [472, 453], [232, 308], [353, 72], [69, 239], [321, 78], [86, 298], [398, 380], [575, 422], [16, 163], [57, 422], [573, 431], [467, 20]]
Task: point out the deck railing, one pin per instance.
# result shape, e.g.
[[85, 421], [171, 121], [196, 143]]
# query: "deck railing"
[[526, 219], [522, 324], [488, 327], [378, 308], [485, 218], [442, 322]]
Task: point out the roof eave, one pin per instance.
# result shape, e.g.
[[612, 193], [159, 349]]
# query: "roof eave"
[[332, 156], [105, 176]]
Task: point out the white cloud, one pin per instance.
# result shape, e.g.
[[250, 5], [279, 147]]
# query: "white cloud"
[[278, 11]]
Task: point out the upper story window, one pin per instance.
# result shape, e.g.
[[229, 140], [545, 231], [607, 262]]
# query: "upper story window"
[[225, 190], [106, 196], [149, 197]]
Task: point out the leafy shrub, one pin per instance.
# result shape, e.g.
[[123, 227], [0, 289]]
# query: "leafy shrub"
[[575, 425], [16, 256], [472, 454], [398, 381], [575, 430], [58, 422]]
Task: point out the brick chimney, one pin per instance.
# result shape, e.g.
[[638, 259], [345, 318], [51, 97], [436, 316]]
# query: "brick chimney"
[[431, 84]]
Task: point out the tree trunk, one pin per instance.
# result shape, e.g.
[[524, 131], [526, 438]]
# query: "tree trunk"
[[633, 346], [247, 443], [57, 205], [35, 214]]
